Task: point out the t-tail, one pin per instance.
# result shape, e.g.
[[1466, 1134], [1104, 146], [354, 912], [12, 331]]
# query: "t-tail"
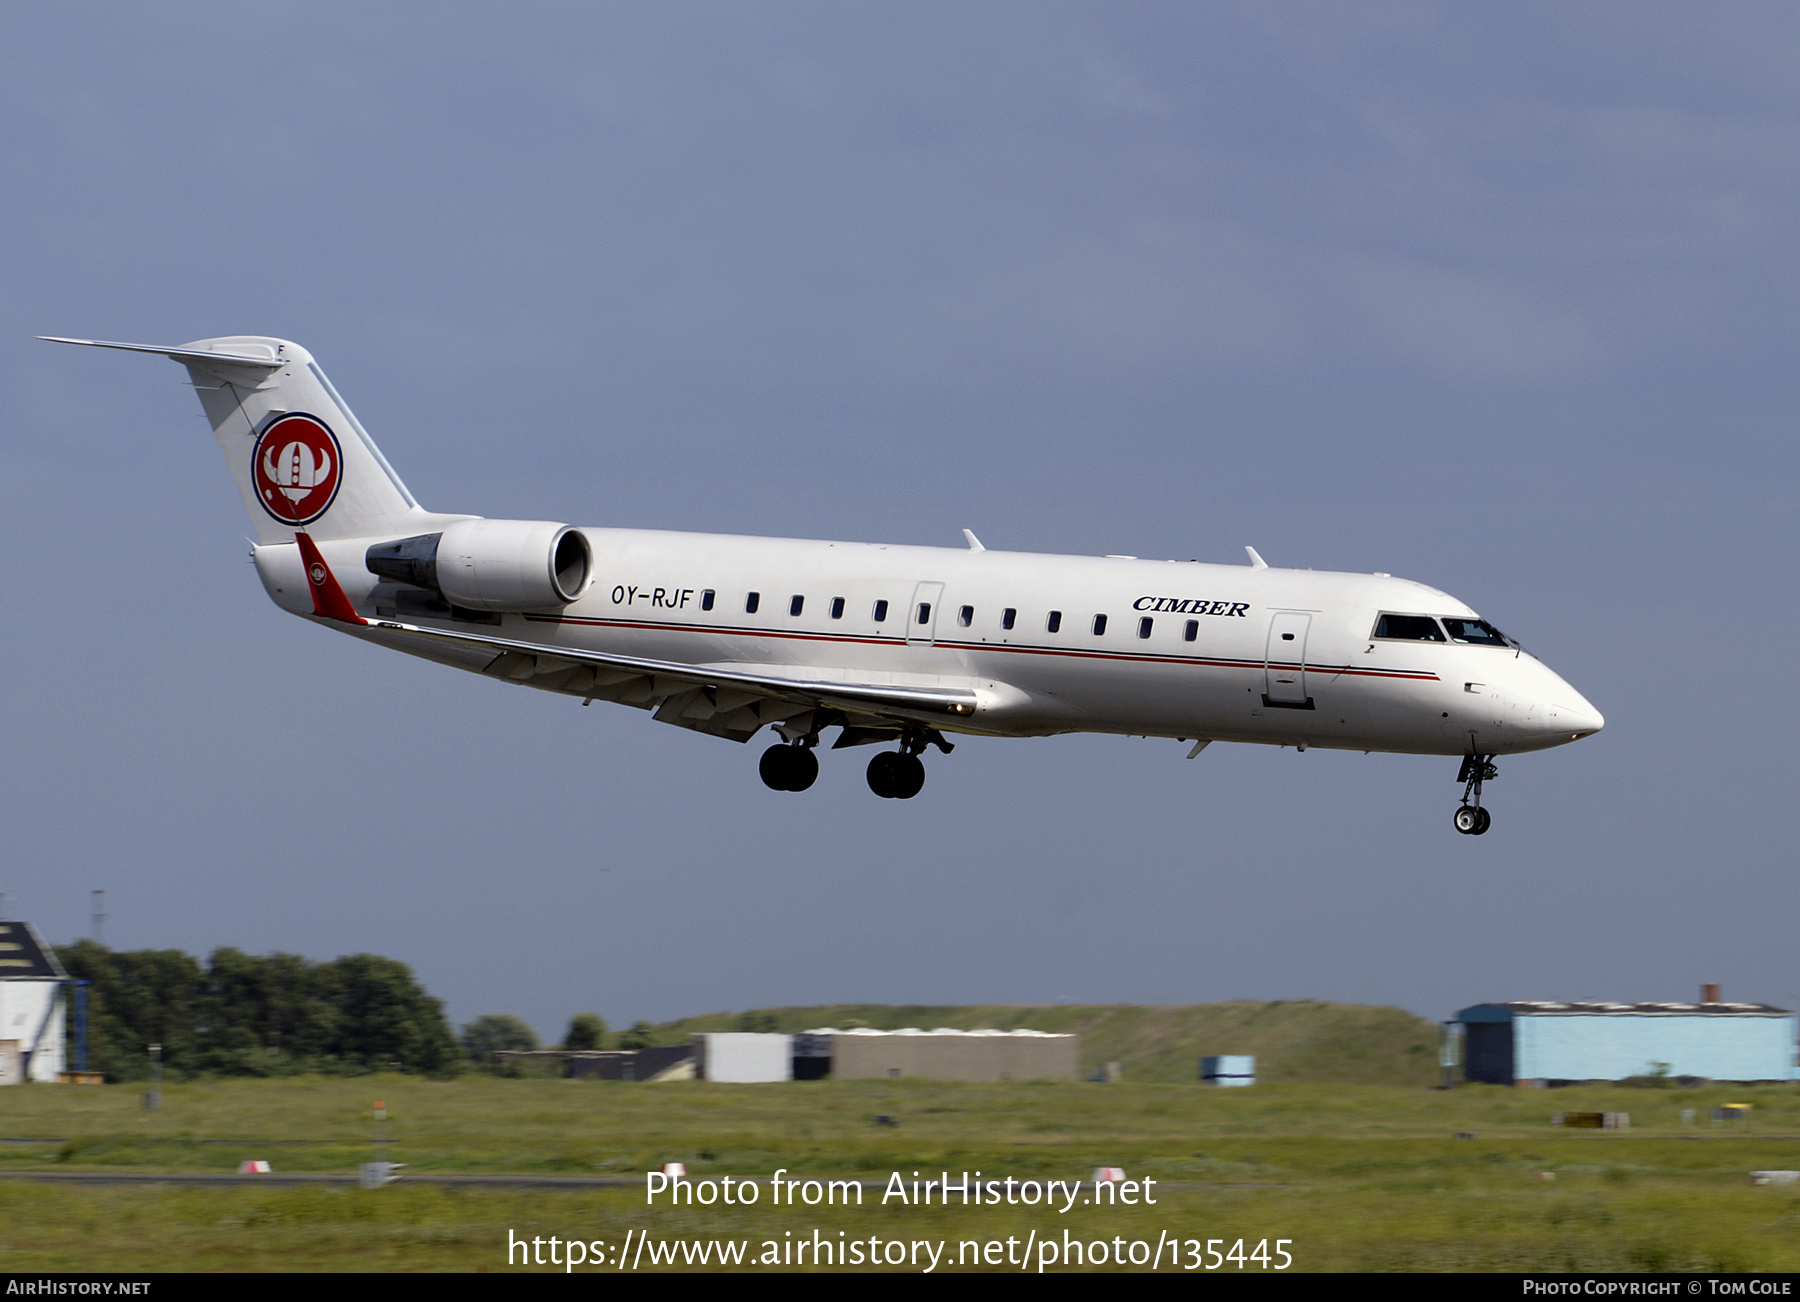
[[300, 458]]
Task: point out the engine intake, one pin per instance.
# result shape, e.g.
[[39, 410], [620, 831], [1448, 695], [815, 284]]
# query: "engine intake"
[[491, 564]]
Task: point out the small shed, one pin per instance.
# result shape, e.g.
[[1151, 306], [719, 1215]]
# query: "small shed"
[[1532, 1041], [32, 1018], [1229, 1069]]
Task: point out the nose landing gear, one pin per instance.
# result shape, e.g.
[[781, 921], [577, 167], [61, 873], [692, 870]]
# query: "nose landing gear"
[[1472, 819]]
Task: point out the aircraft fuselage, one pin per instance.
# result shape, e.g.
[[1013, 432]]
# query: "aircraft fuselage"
[[1151, 648]]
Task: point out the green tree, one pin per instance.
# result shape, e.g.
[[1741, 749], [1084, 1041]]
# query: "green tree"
[[385, 1018], [267, 1016], [249, 1016], [138, 998], [642, 1035], [586, 1031], [492, 1032]]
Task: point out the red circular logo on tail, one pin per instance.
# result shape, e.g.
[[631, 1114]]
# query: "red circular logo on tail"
[[297, 468]]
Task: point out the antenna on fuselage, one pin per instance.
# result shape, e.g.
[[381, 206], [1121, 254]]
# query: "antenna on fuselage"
[[974, 542], [1256, 562]]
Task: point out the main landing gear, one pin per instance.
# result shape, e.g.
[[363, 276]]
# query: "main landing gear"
[[789, 767], [893, 775], [1472, 819], [896, 775]]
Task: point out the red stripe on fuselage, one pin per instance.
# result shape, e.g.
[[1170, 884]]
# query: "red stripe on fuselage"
[[1414, 675]]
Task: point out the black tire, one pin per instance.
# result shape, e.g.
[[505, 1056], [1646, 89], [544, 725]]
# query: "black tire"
[[803, 768], [1467, 819], [881, 774], [776, 767], [1482, 819], [909, 776]]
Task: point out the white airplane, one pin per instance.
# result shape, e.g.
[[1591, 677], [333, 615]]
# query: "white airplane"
[[888, 644]]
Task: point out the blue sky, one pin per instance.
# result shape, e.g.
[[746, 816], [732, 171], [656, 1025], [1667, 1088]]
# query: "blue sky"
[[1499, 298]]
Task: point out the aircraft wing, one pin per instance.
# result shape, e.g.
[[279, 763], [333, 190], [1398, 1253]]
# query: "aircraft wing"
[[725, 700], [731, 698]]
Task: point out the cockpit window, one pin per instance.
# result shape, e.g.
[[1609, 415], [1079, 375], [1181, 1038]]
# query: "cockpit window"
[[1409, 628], [1478, 631]]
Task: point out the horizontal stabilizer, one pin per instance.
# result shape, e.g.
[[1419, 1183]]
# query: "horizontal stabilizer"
[[267, 362]]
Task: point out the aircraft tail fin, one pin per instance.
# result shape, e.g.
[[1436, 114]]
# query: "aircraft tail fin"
[[300, 458]]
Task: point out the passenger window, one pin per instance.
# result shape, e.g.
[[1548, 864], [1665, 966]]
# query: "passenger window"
[[1409, 628], [1191, 631], [881, 612], [752, 602], [1144, 626], [1008, 617], [1477, 631], [1099, 625], [706, 599], [924, 612], [1054, 623], [837, 607], [796, 604], [966, 616]]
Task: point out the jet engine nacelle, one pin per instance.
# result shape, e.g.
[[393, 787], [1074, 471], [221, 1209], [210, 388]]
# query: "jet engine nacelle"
[[492, 564]]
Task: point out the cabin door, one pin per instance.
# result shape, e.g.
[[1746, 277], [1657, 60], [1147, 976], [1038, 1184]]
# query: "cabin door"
[[1284, 664]]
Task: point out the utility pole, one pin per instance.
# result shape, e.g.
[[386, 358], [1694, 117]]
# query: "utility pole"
[[98, 926]]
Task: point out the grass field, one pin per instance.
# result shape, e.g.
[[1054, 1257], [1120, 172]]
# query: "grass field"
[[1358, 1177]]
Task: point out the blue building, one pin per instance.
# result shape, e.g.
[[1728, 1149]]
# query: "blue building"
[[1540, 1041]]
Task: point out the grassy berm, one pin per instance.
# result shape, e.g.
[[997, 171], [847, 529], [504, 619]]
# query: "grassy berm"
[[1357, 1177], [1293, 1040]]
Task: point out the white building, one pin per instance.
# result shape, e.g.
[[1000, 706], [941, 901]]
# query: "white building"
[[32, 1010], [743, 1056]]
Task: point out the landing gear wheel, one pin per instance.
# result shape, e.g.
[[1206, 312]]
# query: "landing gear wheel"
[[882, 778], [1467, 819], [909, 776], [1482, 819], [896, 776], [803, 769], [788, 768]]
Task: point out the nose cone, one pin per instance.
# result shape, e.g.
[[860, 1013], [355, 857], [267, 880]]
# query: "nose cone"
[[1577, 718], [1544, 709]]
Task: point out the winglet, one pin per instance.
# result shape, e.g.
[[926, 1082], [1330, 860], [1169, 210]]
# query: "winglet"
[[974, 542], [329, 601], [1256, 562]]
